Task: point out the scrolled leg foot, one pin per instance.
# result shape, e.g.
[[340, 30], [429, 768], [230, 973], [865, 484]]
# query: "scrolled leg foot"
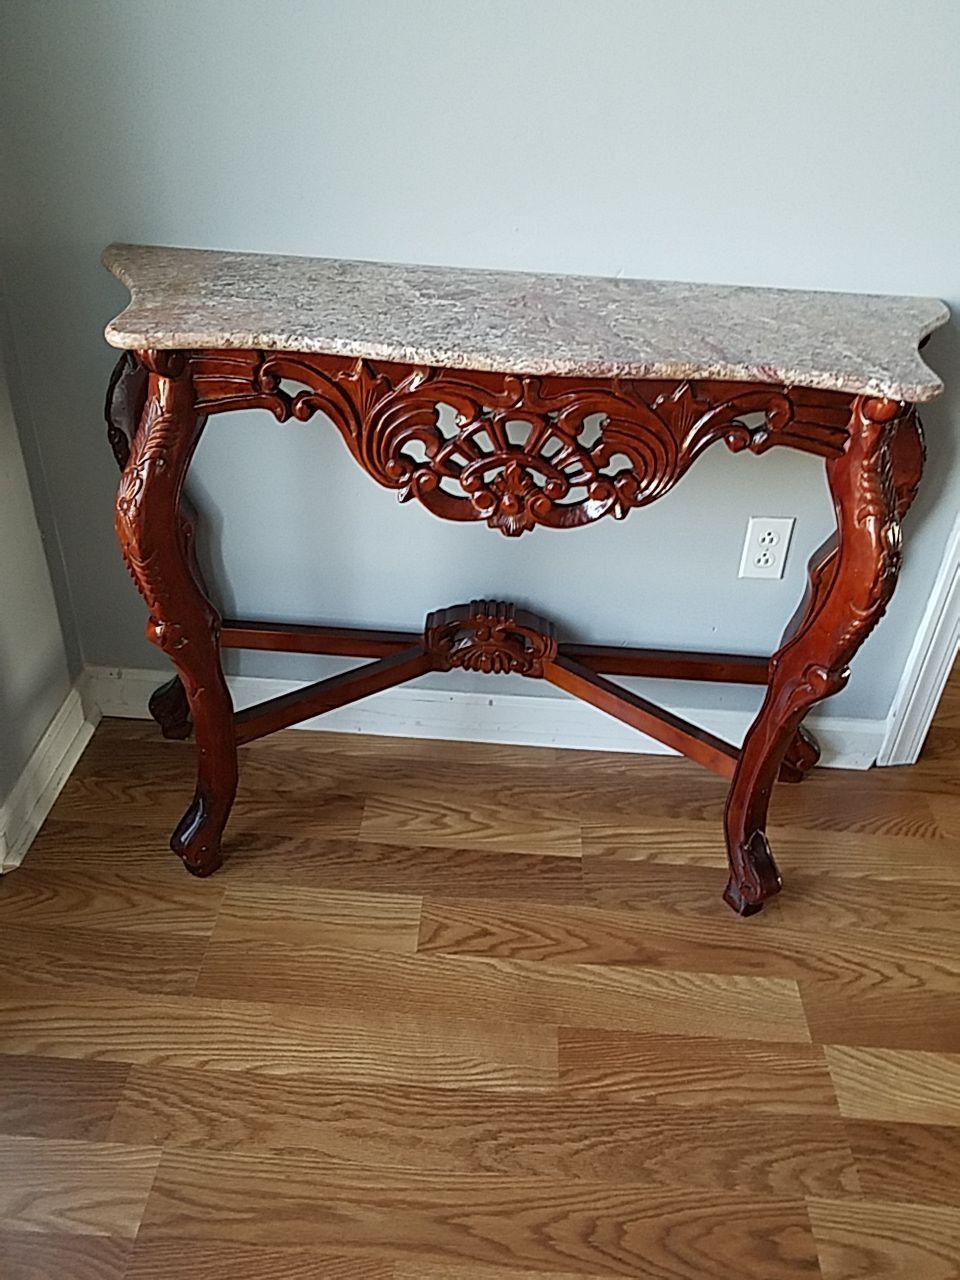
[[169, 707], [753, 876], [196, 840], [802, 754], [738, 903]]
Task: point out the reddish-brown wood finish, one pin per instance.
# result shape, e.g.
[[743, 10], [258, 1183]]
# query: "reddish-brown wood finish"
[[872, 484], [558, 470], [313, 700], [640, 714], [157, 545], [359, 642], [169, 707], [559, 475]]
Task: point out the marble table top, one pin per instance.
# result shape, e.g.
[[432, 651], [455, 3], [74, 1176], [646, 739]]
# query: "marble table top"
[[517, 322]]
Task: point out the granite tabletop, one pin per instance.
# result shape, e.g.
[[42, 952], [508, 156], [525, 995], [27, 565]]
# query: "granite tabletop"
[[518, 322]]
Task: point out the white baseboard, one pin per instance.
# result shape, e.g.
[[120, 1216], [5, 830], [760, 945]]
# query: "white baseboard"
[[412, 712], [928, 664], [23, 812]]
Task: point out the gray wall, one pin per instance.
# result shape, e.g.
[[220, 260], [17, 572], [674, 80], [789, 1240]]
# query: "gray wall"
[[799, 143], [33, 666]]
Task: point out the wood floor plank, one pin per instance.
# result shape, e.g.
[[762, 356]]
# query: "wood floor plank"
[[226, 1259], [82, 846], [913, 1163], [845, 854], [859, 960], [63, 1186], [264, 772], [826, 801], [858, 1239], [63, 955], [275, 1038], [516, 991], [468, 1012], [143, 846], [45, 1255], [110, 900], [820, 903], [57, 1098], [425, 1270], [461, 1131], [532, 1222], [438, 816], [896, 1085], [262, 857], [111, 801], [699, 1073], [385, 868], [923, 1017], [362, 921]]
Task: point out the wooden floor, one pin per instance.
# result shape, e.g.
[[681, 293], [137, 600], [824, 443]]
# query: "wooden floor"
[[456, 1012]]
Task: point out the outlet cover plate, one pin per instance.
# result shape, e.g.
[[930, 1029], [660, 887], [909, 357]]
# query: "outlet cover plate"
[[766, 545]]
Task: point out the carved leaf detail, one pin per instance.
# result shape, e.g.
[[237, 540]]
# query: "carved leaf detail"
[[518, 451], [490, 636]]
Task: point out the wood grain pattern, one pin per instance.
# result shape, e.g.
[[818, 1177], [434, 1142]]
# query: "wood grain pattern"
[[112, 901], [856, 1239], [226, 1259], [235, 1035], [823, 904], [441, 817], [52, 1255], [424, 1270], [59, 1098], [848, 854], [700, 1073], [907, 1162], [461, 1131], [891, 1084], [319, 917], [622, 1230], [144, 962], [865, 961], [385, 868], [515, 991], [371, 1057], [89, 799], [920, 1017], [88, 1188]]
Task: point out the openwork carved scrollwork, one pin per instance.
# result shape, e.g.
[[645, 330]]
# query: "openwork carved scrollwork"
[[490, 636], [517, 451]]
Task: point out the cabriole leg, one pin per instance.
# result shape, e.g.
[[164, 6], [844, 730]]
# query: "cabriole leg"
[[156, 538], [126, 397], [851, 581]]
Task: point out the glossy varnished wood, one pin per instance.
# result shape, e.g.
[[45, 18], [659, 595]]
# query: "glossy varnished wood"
[[516, 1053], [623, 660], [561, 475]]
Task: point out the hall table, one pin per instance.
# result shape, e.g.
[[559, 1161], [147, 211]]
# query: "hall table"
[[567, 399]]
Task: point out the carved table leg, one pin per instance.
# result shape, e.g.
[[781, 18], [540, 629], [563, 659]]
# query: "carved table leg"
[[156, 539], [126, 396], [851, 581]]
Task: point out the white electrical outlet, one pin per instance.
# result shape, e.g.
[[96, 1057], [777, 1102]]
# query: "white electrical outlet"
[[765, 546]]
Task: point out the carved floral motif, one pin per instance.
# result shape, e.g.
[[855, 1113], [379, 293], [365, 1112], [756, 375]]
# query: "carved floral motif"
[[517, 451], [490, 636]]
